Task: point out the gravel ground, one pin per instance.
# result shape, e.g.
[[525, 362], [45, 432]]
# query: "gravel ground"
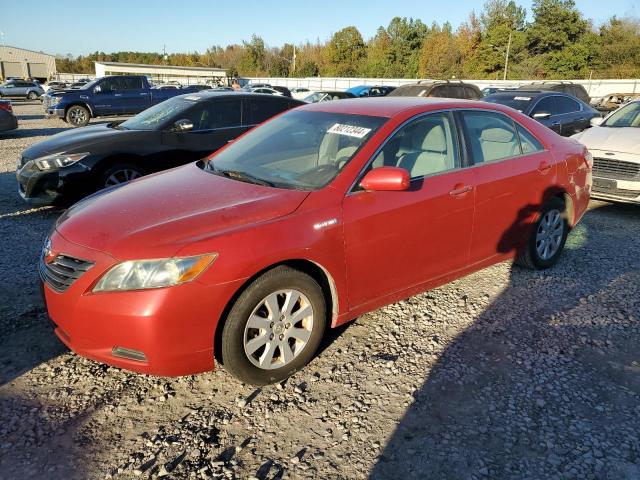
[[504, 374]]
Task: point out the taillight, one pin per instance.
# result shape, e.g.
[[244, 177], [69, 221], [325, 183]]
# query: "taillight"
[[6, 106]]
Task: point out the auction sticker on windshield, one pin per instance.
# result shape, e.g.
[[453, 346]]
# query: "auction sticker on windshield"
[[349, 130]]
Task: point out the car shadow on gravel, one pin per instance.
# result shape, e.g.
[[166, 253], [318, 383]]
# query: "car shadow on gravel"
[[36, 132], [545, 382]]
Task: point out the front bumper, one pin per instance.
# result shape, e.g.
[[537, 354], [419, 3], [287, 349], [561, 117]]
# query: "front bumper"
[[626, 191], [54, 113], [46, 187], [173, 327]]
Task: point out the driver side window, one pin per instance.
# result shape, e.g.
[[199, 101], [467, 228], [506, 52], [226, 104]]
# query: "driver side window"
[[426, 146]]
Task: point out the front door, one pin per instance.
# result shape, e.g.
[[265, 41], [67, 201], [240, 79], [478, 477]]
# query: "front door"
[[397, 240], [215, 123]]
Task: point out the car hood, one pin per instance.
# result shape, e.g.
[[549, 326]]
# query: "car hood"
[[613, 139], [76, 140], [156, 216]]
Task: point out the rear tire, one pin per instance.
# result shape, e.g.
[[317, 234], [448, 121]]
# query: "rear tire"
[[548, 236], [78, 116], [274, 328]]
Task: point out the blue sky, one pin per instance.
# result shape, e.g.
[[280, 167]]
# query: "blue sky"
[[83, 27]]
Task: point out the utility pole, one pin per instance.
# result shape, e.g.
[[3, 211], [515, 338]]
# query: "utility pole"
[[506, 59], [294, 59]]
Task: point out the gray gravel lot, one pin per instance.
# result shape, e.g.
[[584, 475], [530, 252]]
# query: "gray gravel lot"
[[504, 374]]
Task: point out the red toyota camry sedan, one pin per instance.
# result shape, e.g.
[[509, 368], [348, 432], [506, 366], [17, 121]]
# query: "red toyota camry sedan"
[[319, 215]]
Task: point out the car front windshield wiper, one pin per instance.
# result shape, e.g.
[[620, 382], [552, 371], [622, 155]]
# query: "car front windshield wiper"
[[242, 176]]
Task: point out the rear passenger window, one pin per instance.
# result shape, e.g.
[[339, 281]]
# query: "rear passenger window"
[[492, 136], [546, 105], [426, 146], [440, 92], [260, 110], [567, 105], [528, 142]]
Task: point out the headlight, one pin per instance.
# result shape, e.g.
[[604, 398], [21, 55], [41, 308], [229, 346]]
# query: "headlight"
[[142, 274], [55, 101], [59, 160]]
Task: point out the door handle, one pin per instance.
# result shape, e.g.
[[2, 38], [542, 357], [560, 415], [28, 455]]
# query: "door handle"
[[544, 167], [555, 124], [143, 93], [460, 189], [117, 94]]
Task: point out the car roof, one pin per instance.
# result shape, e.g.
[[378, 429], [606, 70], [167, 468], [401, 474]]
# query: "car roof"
[[212, 93], [391, 106]]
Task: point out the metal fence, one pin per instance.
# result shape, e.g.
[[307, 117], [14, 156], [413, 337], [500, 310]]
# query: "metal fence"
[[596, 88]]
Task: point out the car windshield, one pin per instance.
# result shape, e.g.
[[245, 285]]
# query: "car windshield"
[[315, 97], [518, 102], [160, 115], [627, 116], [88, 85], [299, 150]]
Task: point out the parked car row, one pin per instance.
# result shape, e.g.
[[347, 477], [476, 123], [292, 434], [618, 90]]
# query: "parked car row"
[[313, 218]]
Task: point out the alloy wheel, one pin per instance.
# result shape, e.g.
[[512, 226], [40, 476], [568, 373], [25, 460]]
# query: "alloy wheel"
[[78, 116], [549, 234], [278, 329], [122, 176]]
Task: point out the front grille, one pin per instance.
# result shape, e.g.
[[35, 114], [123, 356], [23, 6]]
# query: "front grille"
[[46, 101], [62, 271], [618, 192], [618, 169]]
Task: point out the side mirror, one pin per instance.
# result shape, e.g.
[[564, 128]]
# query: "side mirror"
[[595, 121], [541, 115], [182, 126], [385, 179], [97, 89]]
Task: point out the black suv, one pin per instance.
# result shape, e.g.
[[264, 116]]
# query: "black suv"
[[560, 112], [569, 88], [438, 88], [182, 129]]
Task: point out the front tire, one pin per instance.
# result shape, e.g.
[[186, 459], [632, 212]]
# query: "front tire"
[[120, 173], [548, 236], [78, 116], [274, 328], [32, 95]]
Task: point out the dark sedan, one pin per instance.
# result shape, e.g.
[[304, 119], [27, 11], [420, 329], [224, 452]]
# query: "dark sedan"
[[8, 120], [75, 163], [562, 113]]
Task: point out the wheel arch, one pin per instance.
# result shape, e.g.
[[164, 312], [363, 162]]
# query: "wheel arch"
[[80, 104], [315, 270]]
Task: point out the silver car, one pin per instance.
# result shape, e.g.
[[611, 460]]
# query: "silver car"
[[21, 88]]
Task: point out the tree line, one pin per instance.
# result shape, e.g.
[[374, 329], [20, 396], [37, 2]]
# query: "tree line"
[[558, 42]]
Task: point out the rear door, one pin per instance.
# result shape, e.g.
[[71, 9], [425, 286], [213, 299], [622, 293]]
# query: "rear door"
[[398, 240], [572, 118], [131, 96], [510, 181]]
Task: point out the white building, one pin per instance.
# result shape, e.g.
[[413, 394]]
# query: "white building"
[[21, 63], [163, 73]]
